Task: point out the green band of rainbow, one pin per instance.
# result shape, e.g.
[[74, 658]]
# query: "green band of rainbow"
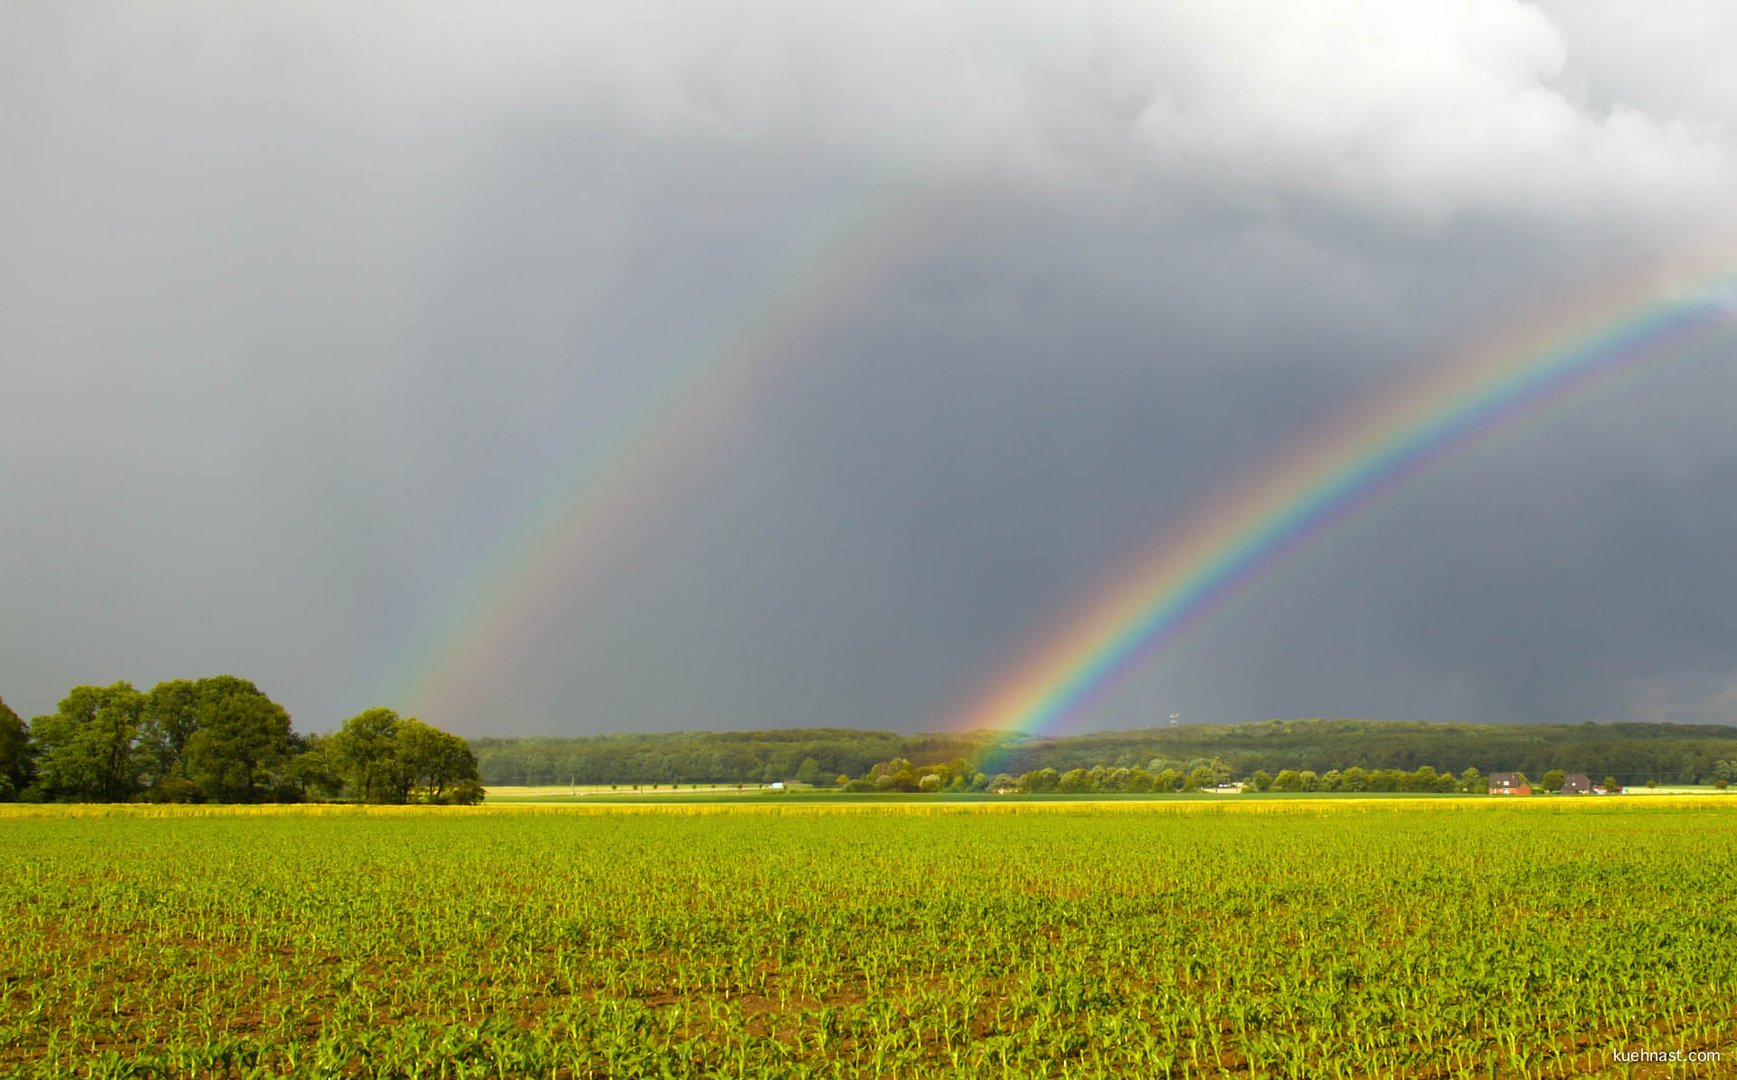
[[1314, 488]]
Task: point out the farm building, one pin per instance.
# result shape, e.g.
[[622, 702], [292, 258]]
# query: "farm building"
[[1509, 783], [1577, 784]]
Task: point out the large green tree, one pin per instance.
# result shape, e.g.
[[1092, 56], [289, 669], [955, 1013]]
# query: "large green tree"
[[219, 738], [313, 769], [434, 765], [17, 763], [365, 750], [386, 758], [90, 746], [171, 718], [241, 743]]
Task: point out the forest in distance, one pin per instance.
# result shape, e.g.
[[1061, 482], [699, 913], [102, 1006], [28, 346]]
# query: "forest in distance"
[[1632, 753]]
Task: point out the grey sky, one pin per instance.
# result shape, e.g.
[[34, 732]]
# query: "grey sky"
[[303, 310]]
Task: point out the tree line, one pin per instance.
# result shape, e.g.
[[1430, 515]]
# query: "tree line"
[[1158, 775], [809, 755], [1632, 753], [1162, 776], [221, 739]]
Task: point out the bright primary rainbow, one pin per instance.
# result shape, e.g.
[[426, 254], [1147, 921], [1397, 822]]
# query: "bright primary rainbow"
[[596, 497], [1217, 552]]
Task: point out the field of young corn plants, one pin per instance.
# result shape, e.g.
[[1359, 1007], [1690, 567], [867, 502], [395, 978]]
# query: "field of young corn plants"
[[1451, 938]]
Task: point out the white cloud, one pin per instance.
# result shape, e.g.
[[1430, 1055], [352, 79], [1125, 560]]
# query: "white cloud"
[[1669, 59], [1406, 114]]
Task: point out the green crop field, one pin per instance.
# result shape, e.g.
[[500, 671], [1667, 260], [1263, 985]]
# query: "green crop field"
[[1448, 938]]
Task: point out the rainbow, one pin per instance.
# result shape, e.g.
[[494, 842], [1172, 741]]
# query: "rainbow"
[[1313, 488], [598, 496]]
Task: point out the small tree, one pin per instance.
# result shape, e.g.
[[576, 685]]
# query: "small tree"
[[1039, 781], [1386, 780], [890, 769], [1261, 780], [1553, 781], [809, 772]]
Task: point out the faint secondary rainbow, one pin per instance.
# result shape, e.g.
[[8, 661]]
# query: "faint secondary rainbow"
[[602, 492], [1313, 487]]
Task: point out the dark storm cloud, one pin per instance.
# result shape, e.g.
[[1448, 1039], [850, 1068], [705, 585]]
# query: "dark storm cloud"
[[304, 309]]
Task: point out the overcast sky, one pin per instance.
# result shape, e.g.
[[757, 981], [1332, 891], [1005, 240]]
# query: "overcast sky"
[[305, 311]]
